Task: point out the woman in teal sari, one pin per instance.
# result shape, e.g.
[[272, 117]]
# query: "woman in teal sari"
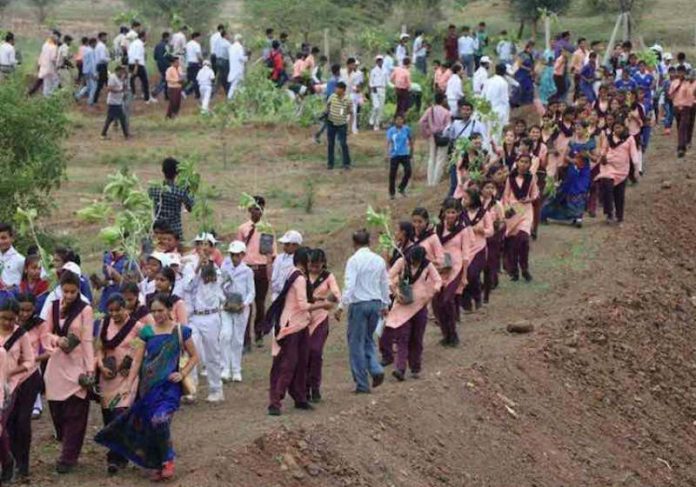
[[142, 434]]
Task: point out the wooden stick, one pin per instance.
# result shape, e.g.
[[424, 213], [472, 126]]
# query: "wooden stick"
[[326, 47]]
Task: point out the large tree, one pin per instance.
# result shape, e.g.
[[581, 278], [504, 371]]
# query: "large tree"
[[32, 157], [196, 13], [42, 8], [530, 11]]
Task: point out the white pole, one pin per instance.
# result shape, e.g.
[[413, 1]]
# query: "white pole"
[[612, 40], [547, 32], [625, 27], [326, 46], [403, 29]]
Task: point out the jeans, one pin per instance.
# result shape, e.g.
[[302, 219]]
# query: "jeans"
[[115, 112], [362, 322], [191, 84], [102, 80], [669, 114], [394, 164], [223, 70], [161, 86], [468, 64], [88, 90], [340, 132], [422, 64]]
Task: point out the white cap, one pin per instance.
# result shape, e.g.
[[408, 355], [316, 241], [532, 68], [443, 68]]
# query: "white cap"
[[174, 259], [238, 37], [667, 56], [656, 47], [485, 59], [72, 267], [291, 237], [132, 35], [404, 36], [161, 257], [205, 237], [206, 63], [378, 57], [237, 247]]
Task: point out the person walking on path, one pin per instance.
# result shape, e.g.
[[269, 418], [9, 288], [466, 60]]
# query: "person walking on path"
[[338, 111]]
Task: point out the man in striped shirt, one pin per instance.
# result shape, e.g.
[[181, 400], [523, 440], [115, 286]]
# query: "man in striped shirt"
[[338, 111]]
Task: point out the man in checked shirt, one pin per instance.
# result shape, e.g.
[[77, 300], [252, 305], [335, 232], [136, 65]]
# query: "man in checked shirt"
[[168, 198]]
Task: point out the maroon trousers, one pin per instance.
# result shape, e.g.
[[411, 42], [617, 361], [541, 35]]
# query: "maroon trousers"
[[289, 370], [409, 344], [472, 291], [316, 356], [400, 337], [494, 247], [419, 322], [19, 422], [174, 95], [261, 286], [70, 422], [445, 306], [684, 126], [517, 253], [5, 450], [403, 101], [613, 197]]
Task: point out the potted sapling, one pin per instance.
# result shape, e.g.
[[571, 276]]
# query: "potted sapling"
[[267, 235]]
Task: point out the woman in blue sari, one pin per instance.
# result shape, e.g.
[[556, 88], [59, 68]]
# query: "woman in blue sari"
[[525, 76], [569, 202], [142, 434]]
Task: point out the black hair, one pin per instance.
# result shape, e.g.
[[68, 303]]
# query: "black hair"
[[301, 257], [221, 27], [102, 34], [407, 228], [500, 69], [116, 298], [527, 141], [451, 203], [361, 237], [463, 102], [165, 35], [6, 227], [68, 277], [169, 274], [260, 201], [170, 168], [163, 299], [163, 227], [269, 31], [681, 56], [474, 198], [130, 288], [421, 212], [581, 39], [492, 169], [475, 135], [9, 37], [351, 60], [66, 255], [406, 61], [317, 255], [208, 272], [417, 254], [195, 34], [26, 298], [456, 68], [439, 98], [275, 44], [30, 259], [341, 85], [142, 35], [10, 304]]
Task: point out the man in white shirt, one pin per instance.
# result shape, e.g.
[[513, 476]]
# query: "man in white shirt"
[[505, 49], [118, 44], [283, 265], [205, 80], [466, 48], [179, 42], [401, 49], [454, 91], [194, 60], [11, 261], [102, 58], [136, 65], [213, 40], [497, 91], [238, 59], [366, 295], [420, 53], [222, 61], [378, 90], [355, 82], [481, 75], [389, 62], [8, 58], [462, 127]]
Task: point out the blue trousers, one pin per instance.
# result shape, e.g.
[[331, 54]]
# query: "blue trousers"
[[362, 322], [339, 132]]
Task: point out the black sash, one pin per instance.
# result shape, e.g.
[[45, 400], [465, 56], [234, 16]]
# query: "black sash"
[[32, 323], [520, 192], [272, 321], [313, 286], [453, 233], [396, 255], [140, 313], [247, 239], [477, 218], [408, 271], [568, 132], [614, 144], [74, 311], [424, 236], [119, 336], [14, 338]]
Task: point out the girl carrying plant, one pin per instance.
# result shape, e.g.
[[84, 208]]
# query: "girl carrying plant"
[[426, 236], [520, 192], [406, 322], [490, 199], [118, 342], [476, 217], [322, 287], [455, 238]]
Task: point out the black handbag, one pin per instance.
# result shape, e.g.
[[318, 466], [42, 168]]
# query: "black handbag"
[[441, 139]]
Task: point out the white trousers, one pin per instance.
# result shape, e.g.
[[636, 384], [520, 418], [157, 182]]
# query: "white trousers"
[[50, 84], [232, 341], [454, 108], [378, 99], [206, 337], [234, 85], [206, 91], [437, 158]]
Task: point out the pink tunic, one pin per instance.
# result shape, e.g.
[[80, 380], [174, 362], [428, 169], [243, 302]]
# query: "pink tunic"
[[295, 316], [179, 313], [329, 286], [458, 248], [523, 218], [433, 249], [63, 370], [110, 387], [20, 355], [539, 158], [480, 232], [253, 256], [35, 335], [427, 285], [619, 161]]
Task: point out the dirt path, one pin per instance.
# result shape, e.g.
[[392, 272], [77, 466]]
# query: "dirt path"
[[572, 269]]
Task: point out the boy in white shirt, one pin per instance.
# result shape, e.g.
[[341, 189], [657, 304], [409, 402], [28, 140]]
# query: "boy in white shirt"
[[239, 290], [205, 79]]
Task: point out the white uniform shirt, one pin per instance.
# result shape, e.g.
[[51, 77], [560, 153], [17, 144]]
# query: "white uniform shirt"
[[480, 77], [7, 55], [136, 52], [388, 65], [378, 77], [214, 38], [222, 47], [419, 49], [178, 43], [400, 54], [467, 45], [11, 267], [194, 53], [205, 76], [238, 280], [366, 279], [454, 88], [101, 53], [282, 268], [496, 91], [205, 297]]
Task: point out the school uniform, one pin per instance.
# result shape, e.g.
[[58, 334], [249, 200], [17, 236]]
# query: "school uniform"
[[236, 280], [12, 265], [682, 94], [290, 348], [258, 263], [457, 243], [205, 80], [118, 345], [494, 246], [67, 399], [619, 155], [283, 266], [405, 324], [481, 225], [319, 290], [518, 228], [429, 240], [206, 301]]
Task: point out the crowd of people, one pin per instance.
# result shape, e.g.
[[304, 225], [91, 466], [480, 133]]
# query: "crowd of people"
[[176, 315]]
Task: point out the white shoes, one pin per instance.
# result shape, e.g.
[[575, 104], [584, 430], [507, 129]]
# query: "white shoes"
[[215, 397], [226, 377], [237, 377], [188, 399]]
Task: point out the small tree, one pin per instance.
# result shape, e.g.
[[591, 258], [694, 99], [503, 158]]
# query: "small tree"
[[190, 12], [42, 8], [32, 158], [530, 11]]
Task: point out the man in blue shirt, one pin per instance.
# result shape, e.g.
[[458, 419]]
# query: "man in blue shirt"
[[399, 151], [625, 83]]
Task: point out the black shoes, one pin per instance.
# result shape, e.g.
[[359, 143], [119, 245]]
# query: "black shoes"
[[398, 375], [377, 380]]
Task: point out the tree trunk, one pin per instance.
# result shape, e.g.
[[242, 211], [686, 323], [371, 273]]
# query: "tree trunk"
[[520, 31], [535, 26]]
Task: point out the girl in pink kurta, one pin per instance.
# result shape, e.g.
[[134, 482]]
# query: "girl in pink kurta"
[[289, 317], [164, 283], [19, 424], [321, 288], [426, 237], [70, 368], [406, 322], [616, 158], [476, 217], [456, 239], [520, 192], [118, 340], [539, 153], [4, 400], [20, 361], [494, 244], [635, 121]]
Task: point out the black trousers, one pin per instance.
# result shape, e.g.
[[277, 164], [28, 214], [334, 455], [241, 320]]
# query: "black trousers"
[[140, 73], [102, 79], [108, 415], [223, 70], [191, 84], [19, 422], [613, 197], [115, 112], [394, 164]]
